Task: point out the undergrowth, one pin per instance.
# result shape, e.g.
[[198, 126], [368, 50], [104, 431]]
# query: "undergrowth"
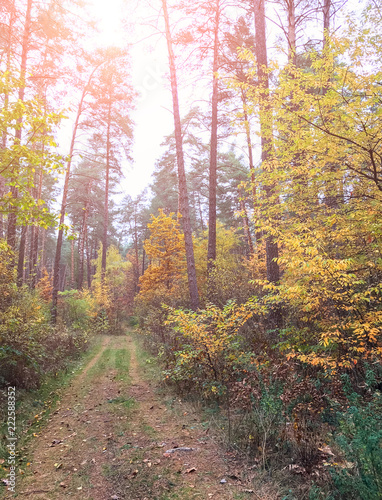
[[34, 407]]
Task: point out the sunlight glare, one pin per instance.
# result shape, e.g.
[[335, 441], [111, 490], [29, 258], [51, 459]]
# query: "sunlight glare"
[[109, 16]]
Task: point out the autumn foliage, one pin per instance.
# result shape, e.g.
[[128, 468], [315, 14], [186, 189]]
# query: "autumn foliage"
[[318, 195]]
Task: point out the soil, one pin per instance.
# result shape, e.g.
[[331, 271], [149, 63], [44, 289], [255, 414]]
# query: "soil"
[[114, 435]]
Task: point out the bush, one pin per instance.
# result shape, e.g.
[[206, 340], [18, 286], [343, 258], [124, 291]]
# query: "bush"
[[207, 345], [75, 309], [30, 345]]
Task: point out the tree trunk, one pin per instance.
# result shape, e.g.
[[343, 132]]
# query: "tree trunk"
[[34, 239], [271, 247], [106, 209], [72, 281], [43, 253], [291, 12], [183, 194], [82, 240], [5, 105], [326, 13], [246, 226], [273, 272], [57, 257], [12, 217], [200, 212], [20, 263], [143, 261], [136, 270], [88, 262], [249, 143], [211, 252]]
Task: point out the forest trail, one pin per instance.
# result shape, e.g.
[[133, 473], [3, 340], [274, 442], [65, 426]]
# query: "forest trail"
[[109, 435]]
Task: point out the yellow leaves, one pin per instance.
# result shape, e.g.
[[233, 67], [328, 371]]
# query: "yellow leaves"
[[165, 248], [208, 338], [103, 292]]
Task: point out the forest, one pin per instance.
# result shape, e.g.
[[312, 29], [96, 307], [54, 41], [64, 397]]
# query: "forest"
[[250, 265]]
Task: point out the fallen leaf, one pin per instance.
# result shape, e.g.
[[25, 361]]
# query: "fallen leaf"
[[188, 471]]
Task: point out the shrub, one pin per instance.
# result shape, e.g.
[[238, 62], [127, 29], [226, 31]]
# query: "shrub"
[[75, 308], [30, 346], [207, 344]]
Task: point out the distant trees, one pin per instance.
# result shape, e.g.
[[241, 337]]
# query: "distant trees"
[[104, 112]]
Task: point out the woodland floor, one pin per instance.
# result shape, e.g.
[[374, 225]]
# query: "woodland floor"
[[108, 437]]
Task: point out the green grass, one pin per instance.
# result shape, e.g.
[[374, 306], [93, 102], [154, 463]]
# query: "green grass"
[[104, 363], [148, 430], [148, 364], [122, 364], [112, 359], [33, 407]]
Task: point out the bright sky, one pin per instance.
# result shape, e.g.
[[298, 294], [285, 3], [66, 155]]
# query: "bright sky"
[[153, 118], [149, 67]]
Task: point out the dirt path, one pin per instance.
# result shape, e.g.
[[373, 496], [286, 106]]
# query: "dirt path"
[[114, 437]]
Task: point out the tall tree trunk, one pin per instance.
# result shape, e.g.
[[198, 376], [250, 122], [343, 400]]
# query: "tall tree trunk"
[[43, 253], [106, 209], [246, 225], [249, 143], [211, 251], [35, 232], [326, 13], [20, 263], [291, 12], [6, 103], [256, 207], [271, 247], [88, 261], [60, 236], [12, 217], [200, 212], [72, 281], [136, 270], [143, 261], [24, 56], [183, 194], [273, 272], [82, 239]]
